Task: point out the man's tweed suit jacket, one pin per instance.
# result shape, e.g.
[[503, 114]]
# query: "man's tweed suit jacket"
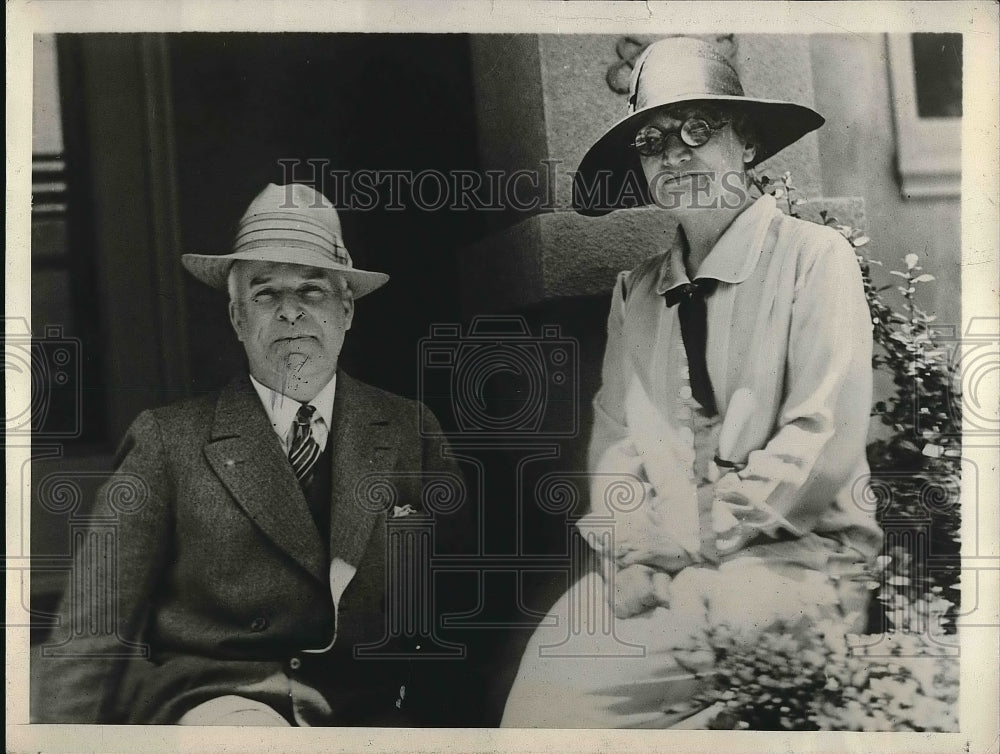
[[221, 572]]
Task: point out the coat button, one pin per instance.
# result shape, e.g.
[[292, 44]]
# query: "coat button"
[[259, 624], [295, 663]]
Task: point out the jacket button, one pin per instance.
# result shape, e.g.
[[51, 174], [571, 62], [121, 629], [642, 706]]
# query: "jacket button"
[[295, 663], [259, 624]]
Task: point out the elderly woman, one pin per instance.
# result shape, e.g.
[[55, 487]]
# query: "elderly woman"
[[728, 447]]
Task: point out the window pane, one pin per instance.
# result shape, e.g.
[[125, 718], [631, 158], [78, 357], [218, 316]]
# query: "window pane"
[[937, 67], [46, 128]]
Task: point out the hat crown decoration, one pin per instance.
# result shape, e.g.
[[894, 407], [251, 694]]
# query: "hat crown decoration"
[[680, 68]]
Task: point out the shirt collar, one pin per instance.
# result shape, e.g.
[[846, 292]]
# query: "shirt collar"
[[734, 255], [281, 409]]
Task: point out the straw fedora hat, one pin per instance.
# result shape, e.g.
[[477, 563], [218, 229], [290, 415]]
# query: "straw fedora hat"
[[669, 72], [294, 224]]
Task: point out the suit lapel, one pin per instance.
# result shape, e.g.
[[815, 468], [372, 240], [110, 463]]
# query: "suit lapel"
[[246, 455], [364, 448]]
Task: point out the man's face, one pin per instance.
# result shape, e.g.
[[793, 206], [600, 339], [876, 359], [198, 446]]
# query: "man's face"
[[684, 177], [291, 320]]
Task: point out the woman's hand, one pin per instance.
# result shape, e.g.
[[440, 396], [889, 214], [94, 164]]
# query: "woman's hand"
[[644, 537], [652, 546], [639, 588]]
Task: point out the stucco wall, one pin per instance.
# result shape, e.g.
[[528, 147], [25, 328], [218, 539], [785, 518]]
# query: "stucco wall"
[[857, 156]]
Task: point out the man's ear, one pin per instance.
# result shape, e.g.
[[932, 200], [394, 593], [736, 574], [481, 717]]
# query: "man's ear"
[[348, 312], [236, 319], [749, 152]]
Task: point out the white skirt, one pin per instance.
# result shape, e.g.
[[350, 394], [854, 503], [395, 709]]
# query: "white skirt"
[[584, 668]]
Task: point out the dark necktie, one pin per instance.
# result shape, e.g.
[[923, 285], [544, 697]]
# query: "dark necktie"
[[693, 315], [304, 449]]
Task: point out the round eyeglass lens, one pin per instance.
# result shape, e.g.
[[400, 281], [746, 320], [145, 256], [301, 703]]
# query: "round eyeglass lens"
[[695, 132], [650, 141]]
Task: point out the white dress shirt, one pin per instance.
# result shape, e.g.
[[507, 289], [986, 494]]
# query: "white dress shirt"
[[281, 411]]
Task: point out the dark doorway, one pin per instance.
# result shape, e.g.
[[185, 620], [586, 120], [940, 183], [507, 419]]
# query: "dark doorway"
[[256, 108]]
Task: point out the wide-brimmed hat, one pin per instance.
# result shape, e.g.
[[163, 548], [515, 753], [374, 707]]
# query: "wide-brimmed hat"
[[670, 72], [294, 224]]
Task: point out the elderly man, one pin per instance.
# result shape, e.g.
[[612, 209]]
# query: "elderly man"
[[254, 566]]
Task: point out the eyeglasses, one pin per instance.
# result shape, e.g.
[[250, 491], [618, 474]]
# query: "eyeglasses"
[[651, 141]]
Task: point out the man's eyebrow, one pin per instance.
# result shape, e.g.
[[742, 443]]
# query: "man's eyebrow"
[[311, 275], [316, 274]]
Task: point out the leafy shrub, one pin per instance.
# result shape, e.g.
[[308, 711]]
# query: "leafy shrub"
[[806, 676]]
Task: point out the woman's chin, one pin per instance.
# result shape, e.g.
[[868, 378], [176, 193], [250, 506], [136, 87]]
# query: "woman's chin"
[[683, 200], [677, 201]]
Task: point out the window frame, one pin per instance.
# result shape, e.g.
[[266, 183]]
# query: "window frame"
[[928, 150]]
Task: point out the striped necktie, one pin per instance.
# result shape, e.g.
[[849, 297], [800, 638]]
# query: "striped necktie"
[[304, 449]]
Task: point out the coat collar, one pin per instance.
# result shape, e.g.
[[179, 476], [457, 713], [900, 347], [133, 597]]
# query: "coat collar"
[[247, 456], [734, 256]]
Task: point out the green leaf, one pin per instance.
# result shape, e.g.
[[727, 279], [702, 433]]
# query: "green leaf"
[[911, 261], [925, 278]]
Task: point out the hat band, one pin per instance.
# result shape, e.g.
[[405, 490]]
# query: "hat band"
[[271, 231], [289, 221], [337, 253]]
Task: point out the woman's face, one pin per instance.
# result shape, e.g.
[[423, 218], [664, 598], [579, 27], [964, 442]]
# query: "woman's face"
[[683, 177]]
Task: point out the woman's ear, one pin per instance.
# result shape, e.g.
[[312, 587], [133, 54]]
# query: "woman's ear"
[[749, 152]]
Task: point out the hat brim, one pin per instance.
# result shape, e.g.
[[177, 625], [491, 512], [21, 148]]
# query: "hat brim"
[[213, 269], [610, 175]]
